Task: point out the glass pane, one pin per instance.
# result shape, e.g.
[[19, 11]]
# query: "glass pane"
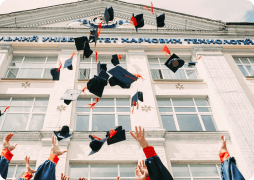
[[163, 60], [243, 70], [250, 69], [251, 59], [84, 73], [79, 171], [41, 101], [40, 109], [11, 170], [100, 122], [94, 71], [168, 74], [4, 101], [163, 102], [30, 73], [82, 109], [16, 61], [20, 170], [209, 123], [204, 109], [52, 60], [191, 74], [15, 122], [105, 102], [244, 60], [82, 123], [34, 62], [156, 74], [153, 60], [21, 102], [125, 121], [47, 74], [154, 66], [83, 102], [122, 102], [185, 109], [236, 60], [179, 74], [180, 170], [123, 109], [201, 170], [202, 102], [189, 122], [104, 170], [12, 73], [104, 109], [19, 109], [127, 170], [37, 122], [166, 109], [168, 123], [183, 102]]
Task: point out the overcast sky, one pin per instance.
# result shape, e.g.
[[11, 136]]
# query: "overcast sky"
[[225, 10]]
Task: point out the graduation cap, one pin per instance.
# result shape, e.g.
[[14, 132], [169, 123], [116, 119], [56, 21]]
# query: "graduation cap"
[[135, 98], [68, 63], [192, 63], [63, 134], [123, 75], [101, 66], [111, 13], [160, 20], [4, 111], [94, 35], [106, 15], [55, 73], [97, 83], [70, 95], [115, 60], [174, 63], [96, 144], [87, 51], [138, 21], [80, 42], [116, 135], [114, 81]]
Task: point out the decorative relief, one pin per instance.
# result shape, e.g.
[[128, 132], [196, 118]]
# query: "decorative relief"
[[146, 108], [61, 108], [179, 86], [25, 84]]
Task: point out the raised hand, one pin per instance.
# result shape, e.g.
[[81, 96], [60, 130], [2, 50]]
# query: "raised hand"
[[6, 143], [28, 168], [223, 147], [82, 179], [139, 175], [140, 137], [118, 178], [55, 147], [142, 167], [64, 177]]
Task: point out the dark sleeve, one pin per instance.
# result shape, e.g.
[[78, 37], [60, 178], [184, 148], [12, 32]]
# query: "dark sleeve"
[[156, 169], [46, 171], [5, 159], [229, 171]]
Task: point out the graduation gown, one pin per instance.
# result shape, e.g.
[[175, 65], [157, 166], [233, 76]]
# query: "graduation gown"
[[229, 171], [5, 159], [46, 171], [156, 170]]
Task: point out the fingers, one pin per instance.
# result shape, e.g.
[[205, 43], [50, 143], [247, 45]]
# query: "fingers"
[[8, 137], [136, 128], [137, 172], [143, 133], [133, 135], [118, 178], [53, 141], [143, 163], [61, 175], [33, 171], [140, 132]]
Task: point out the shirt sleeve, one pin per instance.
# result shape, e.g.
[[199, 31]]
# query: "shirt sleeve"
[[7, 154], [54, 158], [224, 156], [27, 176], [149, 151]]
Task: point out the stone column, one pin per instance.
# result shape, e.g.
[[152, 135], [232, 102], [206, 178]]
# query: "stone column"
[[5, 53]]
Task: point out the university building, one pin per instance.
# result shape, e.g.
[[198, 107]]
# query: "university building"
[[184, 113]]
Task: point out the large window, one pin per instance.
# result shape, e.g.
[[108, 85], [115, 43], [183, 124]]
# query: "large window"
[[107, 112], [160, 71], [186, 114], [102, 171], [196, 171], [88, 66], [24, 114], [245, 65], [31, 67], [15, 171]]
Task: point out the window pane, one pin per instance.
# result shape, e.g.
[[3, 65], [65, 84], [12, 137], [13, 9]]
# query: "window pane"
[[251, 59], [103, 109], [153, 60], [83, 102], [249, 68], [104, 170], [105, 102], [41, 101], [4, 101], [82, 109], [21, 102], [12, 73], [168, 74], [79, 171], [20, 170], [163, 60], [244, 60], [243, 70], [123, 109], [166, 109], [154, 66], [179, 74], [163, 102], [125, 121], [52, 60], [204, 109], [201, 170], [100, 122], [84, 73], [11, 170], [20, 109], [127, 170], [40, 109], [156, 74], [180, 170], [182, 102], [168, 123], [47, 74], [236, 60], [202, 102], [37, 122], [15, 122], [188, 122], [208, 122], [34, 61], [191, 74], [82, 123], [185, 109], [30, 73], [122, 102], [16, 61]]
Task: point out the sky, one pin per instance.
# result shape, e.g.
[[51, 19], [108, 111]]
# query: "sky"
[[224, 10]]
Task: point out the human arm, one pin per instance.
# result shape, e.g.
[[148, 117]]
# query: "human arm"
[[223, 152]]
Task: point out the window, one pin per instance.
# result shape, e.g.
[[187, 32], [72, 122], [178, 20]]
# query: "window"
[[102, 171], [107, 112], [24, 114], [88, 66], [31, 67], [186, 114], [245, 65], [196, 171], [160, 71], [15, 171]]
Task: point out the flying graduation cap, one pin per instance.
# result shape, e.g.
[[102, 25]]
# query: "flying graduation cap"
[[135, 98], [114, 81], [137, 21], [68, 63], [4, 111], [116, 135], [96, 144], [115, 60], [70, 95], [109, 14], [82, 43], [94, 35], [100, 67], [55, 74], [160, 21], [63, 134], [174, 63], [192, 63]]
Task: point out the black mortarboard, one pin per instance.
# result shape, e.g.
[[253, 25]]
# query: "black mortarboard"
[[93, 36], [106, 15], [87, 51], [192, 63], [68, 64], [96, 144], [173, 58], [123, 75], [70, 95], [115, 60], [136, 97], [116, 135], [111, 13], [140, 21], [160, 20], [113, 82], [100, 67], [96, 85], [55, 74], [80, 42], [104, 75], [1, 113], [63, 134]]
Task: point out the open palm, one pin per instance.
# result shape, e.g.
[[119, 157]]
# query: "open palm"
[[6, 142], [55, 147]]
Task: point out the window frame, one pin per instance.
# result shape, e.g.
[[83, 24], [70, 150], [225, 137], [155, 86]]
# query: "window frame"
[[244, 65], [16, 168]]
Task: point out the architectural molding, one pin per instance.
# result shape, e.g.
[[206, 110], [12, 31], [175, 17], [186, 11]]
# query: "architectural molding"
[[6, 47]]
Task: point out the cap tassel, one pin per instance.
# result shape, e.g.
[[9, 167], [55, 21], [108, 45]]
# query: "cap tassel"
[[199, 57], [6, 108], [120, 56], [130, 77], [93, 104], [133, 105], [112, 132], [133, 21], [100, 25], [138, 76], [150, 9], [96, 55], [60, 66], [83, 90], [166, 50], [73, 54], [95, 137], [137, 105]]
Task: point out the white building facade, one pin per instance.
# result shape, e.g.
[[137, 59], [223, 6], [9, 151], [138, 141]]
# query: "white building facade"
[[184, 114]]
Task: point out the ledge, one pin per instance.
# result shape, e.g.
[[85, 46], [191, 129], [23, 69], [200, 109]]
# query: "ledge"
[[82, 80], [26, 79], [249, 77], [173, 81]]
